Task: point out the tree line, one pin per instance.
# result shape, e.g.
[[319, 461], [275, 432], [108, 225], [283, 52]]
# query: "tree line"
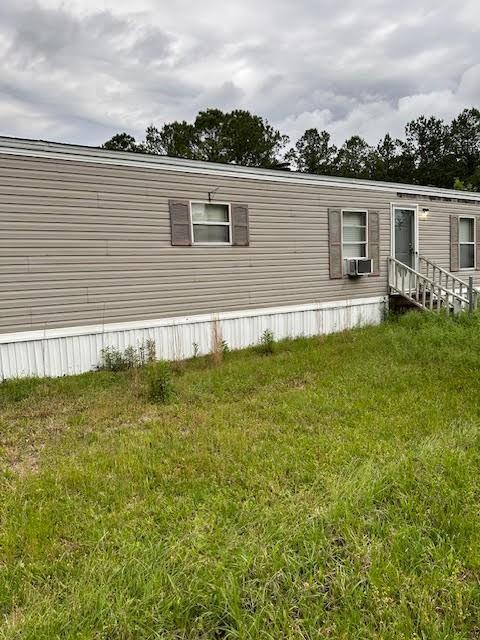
[[432, 152]]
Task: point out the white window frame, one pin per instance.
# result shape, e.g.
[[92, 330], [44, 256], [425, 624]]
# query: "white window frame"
[[365, 242], [214, 224], [474, 243]]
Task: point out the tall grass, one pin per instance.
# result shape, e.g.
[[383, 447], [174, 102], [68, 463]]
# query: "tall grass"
[[327, 491]]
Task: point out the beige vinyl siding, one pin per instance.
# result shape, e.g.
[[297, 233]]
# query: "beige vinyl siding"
[[434, 233], [84, 243]]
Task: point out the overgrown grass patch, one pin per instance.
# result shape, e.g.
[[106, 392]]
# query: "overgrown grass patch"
[[328, 490]]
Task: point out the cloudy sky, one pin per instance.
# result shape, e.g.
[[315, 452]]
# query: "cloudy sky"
[[81, 70]]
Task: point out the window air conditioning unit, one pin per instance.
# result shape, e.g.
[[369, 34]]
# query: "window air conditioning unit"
[[359, 267]]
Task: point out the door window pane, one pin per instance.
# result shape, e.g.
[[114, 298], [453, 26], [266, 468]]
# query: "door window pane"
[[404, 236], [403, 217]]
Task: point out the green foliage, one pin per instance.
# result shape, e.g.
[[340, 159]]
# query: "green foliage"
[[471, 184], [17, 390], [176, 139], [122, 142], [330, 491], [249, 140], [465, 145], [113, 359], [353, 158], [267, 342], [432, 152], [392, 161], [160, 383], [148, 351], [313, 153], [460, 185], [428, 142], [224, 347], [234, 137]]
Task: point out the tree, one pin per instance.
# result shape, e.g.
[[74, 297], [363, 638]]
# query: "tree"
[[251, 141], [122, 142], [209, 128], [354, 159], [428, 142], [237, 137], [474, 179], [472, 184], [391, 161], [465, 144], [432, 153], [313, 153], [177, 139]]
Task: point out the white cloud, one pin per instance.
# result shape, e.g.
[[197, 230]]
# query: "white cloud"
[[372, 119], [80, 70]]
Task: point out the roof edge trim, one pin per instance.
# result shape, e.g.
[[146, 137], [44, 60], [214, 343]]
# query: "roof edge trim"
[[78, 153]]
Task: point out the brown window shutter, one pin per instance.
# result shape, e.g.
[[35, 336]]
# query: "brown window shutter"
[[454, 257], [240, 227], [477, 242], [335, 243], [374, 240], [180, 223]]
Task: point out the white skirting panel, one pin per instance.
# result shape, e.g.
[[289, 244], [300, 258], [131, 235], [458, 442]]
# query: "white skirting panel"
[[67, 351]]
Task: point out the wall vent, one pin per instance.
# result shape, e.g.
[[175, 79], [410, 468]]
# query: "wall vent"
[[418, 196]]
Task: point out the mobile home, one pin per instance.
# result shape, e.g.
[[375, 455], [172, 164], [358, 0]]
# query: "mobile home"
[[102, 248]]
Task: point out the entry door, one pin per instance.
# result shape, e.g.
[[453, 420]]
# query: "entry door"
[[404, 235]]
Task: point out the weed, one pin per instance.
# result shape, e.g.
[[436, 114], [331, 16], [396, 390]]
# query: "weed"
[[113, 359], [147, 352], [159, 381], [224, 347], [132, 358], [267, 342]]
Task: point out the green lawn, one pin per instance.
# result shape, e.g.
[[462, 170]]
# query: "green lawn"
[[330, 490]]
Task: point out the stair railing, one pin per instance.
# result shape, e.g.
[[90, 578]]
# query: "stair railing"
[[447, 279], [424, 291]]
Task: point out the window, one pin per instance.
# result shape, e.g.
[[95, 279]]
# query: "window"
[[354, 234], [210, 223], [466, 241]]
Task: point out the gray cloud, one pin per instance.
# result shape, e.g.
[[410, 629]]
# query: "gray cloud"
[[84, 70]]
